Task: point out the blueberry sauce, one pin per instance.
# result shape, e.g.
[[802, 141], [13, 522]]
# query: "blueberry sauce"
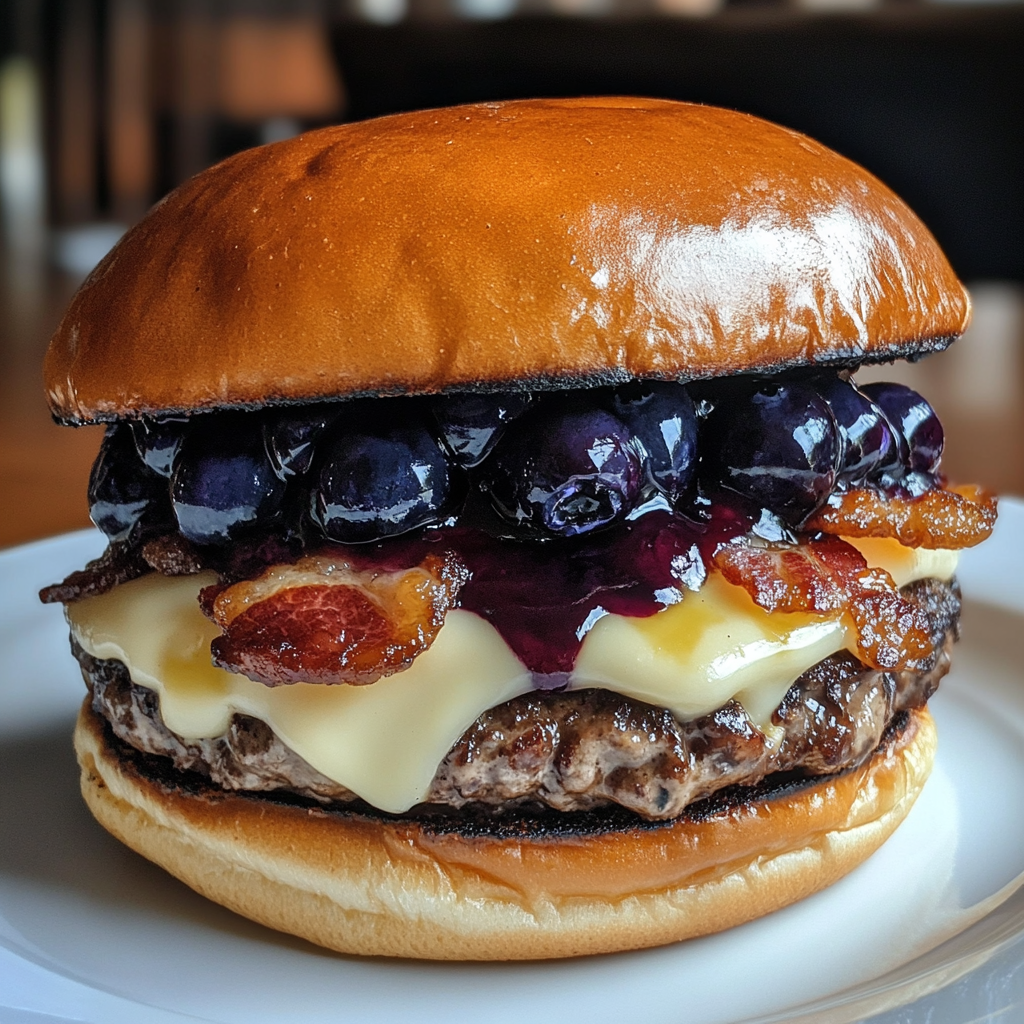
[[564, 470], [127, 498], [544, 598], [914, 419], [775, 443], [471, 425], [382, 480], [563, 508]]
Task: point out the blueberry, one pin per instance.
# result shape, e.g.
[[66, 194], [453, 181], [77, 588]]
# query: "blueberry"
[[564, 470], [661, 418], [123, 493], [867, 437], [223, 482], [291, 434], [158, 440], [471, 425], [915, 421], [775, 443], [377, 480]]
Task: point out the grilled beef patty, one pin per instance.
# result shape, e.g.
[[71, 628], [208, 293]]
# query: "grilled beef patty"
[[582, 749]]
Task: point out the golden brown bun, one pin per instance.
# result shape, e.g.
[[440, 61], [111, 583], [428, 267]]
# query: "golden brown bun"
[[362, 885], [545, 242]]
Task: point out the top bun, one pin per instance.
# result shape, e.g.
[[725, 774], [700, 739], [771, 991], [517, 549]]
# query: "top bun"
[[501, 245]]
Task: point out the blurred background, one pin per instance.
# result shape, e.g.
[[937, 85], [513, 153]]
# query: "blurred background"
[[105, 105]]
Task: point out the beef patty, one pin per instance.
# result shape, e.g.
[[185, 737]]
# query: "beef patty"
[[582, 749]]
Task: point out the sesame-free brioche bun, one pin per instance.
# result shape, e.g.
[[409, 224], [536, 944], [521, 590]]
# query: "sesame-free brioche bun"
[[393, 887], [500, 245]]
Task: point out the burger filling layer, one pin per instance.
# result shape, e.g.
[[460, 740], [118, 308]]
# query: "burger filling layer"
[[632, 594], [580, 749], [714, 650]]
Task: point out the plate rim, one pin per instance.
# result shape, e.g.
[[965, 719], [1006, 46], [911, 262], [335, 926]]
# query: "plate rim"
[[927, 974]]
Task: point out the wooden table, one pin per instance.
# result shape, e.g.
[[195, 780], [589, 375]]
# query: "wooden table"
[[977, 387], [44, 469]]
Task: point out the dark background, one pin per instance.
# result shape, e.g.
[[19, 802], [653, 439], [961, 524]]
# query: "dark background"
[[130, 97], [931, 99]]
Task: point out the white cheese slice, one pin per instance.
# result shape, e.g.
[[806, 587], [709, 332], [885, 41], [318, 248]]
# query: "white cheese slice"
[[384, 741], [694, 656], [718, 645], [905, 565]]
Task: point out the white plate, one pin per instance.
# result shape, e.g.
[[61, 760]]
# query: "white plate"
[[91, 932]]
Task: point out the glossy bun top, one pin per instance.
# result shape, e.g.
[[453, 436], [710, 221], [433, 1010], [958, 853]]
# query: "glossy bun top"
[[501, 245]]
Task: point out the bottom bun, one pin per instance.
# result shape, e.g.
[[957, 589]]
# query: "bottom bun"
[[529, 888]]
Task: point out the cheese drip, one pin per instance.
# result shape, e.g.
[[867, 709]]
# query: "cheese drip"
[[385, 741], [718, 645]]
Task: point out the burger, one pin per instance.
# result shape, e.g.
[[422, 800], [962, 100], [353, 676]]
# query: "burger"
[[503, 560]]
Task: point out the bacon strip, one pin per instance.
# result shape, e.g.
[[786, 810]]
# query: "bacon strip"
[[827, 576], [322, 620], [957, 517], [118, 564]]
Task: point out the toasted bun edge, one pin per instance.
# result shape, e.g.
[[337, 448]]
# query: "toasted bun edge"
[[395, 888], [533, 243]]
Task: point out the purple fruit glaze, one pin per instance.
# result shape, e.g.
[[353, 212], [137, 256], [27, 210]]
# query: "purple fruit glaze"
[[544, 598]]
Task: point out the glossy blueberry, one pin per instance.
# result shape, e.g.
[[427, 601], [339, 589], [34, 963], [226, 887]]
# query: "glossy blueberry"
[[291, 434], [661, 418], [867, 438], [158, 440], [471, 425], [381, 480], [914, 420], [123, 492], [777, 444], [223, 483], [915, 484], [564, 470]]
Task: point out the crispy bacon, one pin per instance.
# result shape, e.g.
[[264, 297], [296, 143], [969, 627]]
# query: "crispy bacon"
[[118, 564], [957, 517], [172, 555], [806, 578], [827, 576], [322, 620]]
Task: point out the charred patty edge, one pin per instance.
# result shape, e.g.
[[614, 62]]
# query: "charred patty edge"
[[536, 822], [580, 750]]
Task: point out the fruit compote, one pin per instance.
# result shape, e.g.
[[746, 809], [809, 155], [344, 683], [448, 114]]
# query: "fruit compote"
[[559, 507]]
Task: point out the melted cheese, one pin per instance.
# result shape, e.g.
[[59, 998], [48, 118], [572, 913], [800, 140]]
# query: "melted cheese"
[[905, 565], [718, 645], [382, 741], [385, 741]]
